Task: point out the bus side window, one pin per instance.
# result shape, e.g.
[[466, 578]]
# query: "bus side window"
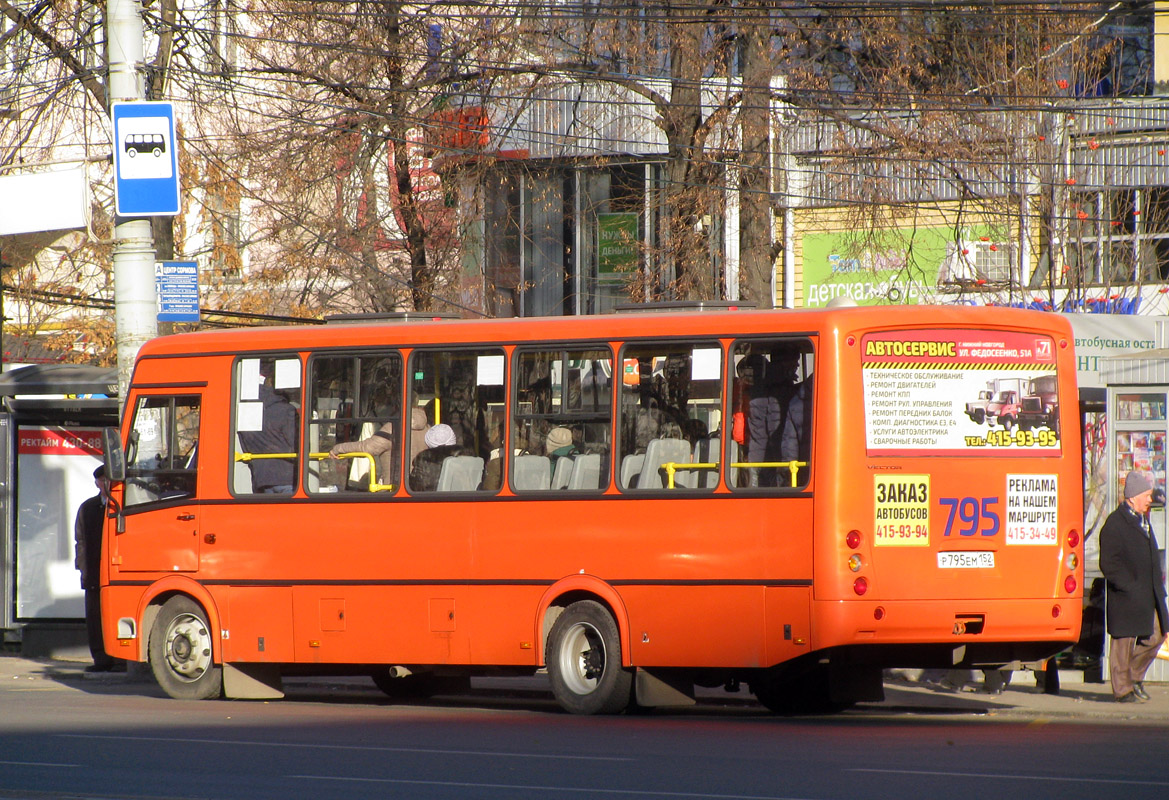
[[161, 460], [562, 423], [355, 424], [670, 429], [771, 412], [461, 393], [267, 425]]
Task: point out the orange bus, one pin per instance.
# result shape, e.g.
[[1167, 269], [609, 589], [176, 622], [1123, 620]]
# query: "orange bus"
[[639, 504]]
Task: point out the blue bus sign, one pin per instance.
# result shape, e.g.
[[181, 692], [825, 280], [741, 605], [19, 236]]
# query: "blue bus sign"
[[146, 174]]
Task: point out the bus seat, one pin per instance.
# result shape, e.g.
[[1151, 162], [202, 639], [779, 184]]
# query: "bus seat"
[[662, 451], [707, 451], [630, 469], [532, 473], [563, 471], [460, 474], [586, 472]]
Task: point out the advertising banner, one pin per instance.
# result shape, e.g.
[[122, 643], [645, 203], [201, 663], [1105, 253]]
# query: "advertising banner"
[[55, 474], [959, 392]]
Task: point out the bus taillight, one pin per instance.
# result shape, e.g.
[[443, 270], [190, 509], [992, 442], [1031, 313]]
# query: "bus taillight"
[[1056, 611], [1069, 584], [1073, 538], [1071, 562], [853, 539], [860, 586], [878, 613], [855, 563]]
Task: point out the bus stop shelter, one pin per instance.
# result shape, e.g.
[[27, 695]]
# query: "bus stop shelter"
[[1138, 437], [51, 418]]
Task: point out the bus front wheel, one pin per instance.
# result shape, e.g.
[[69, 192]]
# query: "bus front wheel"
[[584, 661], [180, 652]]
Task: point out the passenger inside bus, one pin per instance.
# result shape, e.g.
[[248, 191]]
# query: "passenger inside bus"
[[767, 415], [380, 445], [426, 470], [277, 434]]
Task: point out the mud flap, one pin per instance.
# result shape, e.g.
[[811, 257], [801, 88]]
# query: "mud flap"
[[252, 682], [652, 691]]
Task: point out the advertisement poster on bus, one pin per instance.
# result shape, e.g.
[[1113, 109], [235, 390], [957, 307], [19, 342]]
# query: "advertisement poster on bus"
[[959, 392]]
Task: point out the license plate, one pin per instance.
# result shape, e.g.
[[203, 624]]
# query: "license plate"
[[966, 559]]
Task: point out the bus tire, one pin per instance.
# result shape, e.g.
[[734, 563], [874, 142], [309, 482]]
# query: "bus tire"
[[804, 694], [584, 661], [181, 654]]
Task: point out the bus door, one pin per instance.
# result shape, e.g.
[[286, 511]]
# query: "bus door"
[[162, 520]]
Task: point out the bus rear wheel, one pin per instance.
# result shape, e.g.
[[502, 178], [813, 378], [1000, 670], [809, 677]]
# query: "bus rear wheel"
[[584, 661], [180, 652], [797, 694]]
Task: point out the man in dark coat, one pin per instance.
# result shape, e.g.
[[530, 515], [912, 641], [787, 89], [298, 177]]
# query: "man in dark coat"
[[87, 531], [277, 435], [1137, 617]]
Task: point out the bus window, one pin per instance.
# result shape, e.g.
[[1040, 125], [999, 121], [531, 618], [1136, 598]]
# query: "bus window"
[[162, 449], [771, 404], [671, 416], [461, 393], [267, 400], [355, 414], [561, 421]]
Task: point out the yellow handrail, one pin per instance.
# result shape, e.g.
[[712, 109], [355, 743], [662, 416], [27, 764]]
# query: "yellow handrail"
[[671, 466], [374, 486]]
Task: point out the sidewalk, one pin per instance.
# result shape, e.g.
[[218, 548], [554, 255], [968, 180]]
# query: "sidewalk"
[[903, 696]]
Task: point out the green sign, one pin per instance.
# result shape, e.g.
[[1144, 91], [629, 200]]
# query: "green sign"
[[617, 243], [900, 266]]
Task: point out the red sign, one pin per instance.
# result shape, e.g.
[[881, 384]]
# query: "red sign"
[[60, 441]]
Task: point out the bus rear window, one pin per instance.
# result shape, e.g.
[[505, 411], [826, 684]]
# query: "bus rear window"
[[960, 392]]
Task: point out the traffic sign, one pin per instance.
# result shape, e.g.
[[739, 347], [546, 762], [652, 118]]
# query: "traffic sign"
[[146, 174], [177, 283]]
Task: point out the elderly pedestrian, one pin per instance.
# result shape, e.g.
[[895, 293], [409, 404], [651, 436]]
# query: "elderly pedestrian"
[[1136, 613]]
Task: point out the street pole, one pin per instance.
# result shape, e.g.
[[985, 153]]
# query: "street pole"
[[135, 303]]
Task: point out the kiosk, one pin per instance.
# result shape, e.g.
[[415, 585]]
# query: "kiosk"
[[1138, 388]]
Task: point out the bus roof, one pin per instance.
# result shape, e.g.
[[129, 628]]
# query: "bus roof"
[[596, 327]]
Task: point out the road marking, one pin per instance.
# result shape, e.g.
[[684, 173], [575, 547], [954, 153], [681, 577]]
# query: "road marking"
[[37, 764], [1002, 776], [417, 750], [512, 787]]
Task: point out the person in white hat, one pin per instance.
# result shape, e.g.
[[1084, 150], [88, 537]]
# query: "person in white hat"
[[441, 442]]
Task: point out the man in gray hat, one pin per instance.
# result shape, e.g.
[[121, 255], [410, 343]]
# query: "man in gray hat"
[[1137, 618]]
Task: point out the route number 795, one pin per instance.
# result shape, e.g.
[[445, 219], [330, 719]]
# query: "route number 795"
[[975, 515]]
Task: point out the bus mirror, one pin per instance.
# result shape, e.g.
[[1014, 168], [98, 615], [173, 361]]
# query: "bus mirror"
[[115, 459]]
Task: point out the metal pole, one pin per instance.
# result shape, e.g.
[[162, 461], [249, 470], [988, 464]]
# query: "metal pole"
[[135, 303]]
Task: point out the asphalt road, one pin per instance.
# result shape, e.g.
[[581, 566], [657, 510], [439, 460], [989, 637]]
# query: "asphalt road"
[[63, 736]]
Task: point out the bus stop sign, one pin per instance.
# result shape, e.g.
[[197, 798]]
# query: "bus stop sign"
[[146, 175]]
